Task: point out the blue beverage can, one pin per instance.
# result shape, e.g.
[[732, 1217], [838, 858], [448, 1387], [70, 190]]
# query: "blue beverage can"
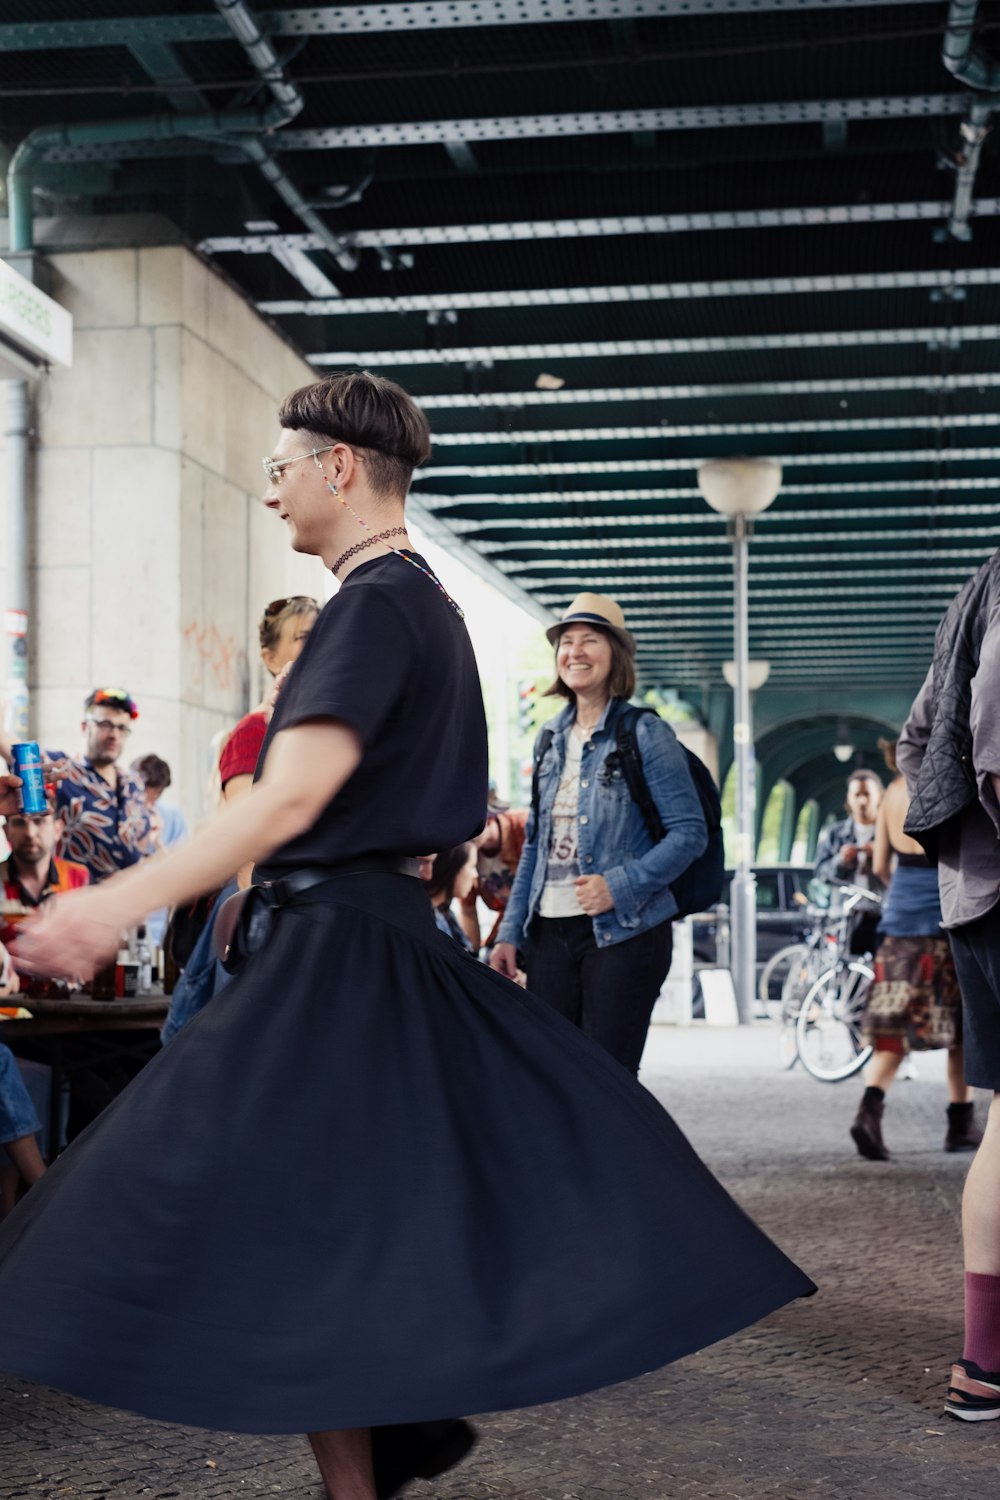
[[27, 763]]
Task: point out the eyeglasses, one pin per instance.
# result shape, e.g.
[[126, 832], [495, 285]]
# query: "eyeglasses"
[[107, 725], [274, 466]]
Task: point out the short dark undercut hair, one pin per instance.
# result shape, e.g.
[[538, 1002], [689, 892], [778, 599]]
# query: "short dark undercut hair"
[[370, 413]]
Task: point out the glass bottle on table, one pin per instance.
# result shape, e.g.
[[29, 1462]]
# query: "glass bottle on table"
[[144, 957]]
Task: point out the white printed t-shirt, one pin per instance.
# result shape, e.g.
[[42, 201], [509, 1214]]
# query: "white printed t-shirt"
[[559, 897]]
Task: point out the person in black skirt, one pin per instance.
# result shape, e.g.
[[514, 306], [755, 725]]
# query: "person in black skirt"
[[483, 1210]]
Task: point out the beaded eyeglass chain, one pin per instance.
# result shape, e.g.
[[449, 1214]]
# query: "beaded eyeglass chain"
[[380, 537]]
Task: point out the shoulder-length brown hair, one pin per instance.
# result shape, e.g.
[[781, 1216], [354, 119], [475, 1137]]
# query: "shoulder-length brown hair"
[[621, 680]]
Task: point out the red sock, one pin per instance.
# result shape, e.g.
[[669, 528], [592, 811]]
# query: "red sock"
[[982, 1320]]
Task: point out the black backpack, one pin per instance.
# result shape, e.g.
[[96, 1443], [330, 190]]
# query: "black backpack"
[[698, 887]]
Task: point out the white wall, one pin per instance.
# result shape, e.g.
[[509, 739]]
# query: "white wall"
[[153, 556]]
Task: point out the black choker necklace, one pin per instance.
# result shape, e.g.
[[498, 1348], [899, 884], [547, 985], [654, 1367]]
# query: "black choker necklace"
[[368, 542]]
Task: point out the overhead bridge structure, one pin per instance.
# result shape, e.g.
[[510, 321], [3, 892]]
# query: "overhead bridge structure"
[[603, 241]]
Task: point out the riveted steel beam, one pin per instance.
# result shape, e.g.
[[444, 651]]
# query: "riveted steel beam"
[[770, 520], [843, 661], [667, 431], [663, 563], [655, 635], [686, 465], [346, 20], [723, 597], [461, 133], [819, 217], [664, 291], [850, 338], [583, 497], [939, 385], [620, 122], [927, 537], [665, 607], [791, 653]]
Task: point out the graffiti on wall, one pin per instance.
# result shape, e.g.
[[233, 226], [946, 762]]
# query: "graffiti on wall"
[[221, 654]]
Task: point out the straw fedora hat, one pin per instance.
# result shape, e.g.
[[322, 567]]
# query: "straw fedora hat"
[[595, 609]]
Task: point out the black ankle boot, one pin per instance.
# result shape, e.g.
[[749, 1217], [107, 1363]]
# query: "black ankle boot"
[[417, 1450], [963, 1132], [866, 1132]]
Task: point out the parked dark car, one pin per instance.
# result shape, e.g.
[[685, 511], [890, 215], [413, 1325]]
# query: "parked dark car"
[[782, 893]]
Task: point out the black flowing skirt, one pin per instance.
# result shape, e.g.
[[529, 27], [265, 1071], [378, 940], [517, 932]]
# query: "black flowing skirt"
[[373, 1183]]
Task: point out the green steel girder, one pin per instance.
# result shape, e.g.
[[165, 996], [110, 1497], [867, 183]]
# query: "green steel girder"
[[784, 748]]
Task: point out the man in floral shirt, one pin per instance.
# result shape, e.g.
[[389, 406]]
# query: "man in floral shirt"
[[106, 819]]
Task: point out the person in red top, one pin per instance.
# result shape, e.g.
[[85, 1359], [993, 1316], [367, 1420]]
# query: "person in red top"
[[284, 630], [498, 850]]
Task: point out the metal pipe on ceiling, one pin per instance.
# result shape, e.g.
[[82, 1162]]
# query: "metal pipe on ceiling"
[[245, 129], [971, 64], [961, 53], [266, 63], [35, 147], [258, 47]]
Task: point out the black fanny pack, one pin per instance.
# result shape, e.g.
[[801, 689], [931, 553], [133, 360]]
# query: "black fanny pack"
[[243, 922]]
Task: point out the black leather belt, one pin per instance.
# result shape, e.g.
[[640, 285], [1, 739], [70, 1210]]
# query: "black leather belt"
[[297, 881], [242, 924]]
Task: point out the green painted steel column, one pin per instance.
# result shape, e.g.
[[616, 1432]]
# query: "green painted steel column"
[[786, 835]]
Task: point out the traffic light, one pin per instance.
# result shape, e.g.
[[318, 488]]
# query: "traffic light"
[[526, 696]]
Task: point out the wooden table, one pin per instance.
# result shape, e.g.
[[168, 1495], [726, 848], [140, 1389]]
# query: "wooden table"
[[76, 1015]]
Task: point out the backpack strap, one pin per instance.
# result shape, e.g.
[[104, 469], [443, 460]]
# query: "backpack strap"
[[635, 776], [541, 750]]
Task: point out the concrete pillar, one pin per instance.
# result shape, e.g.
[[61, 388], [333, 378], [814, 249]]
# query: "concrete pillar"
[[154, 557]]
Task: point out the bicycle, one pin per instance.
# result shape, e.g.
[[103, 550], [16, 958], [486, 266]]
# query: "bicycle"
[[828, 1023], [789, 974]]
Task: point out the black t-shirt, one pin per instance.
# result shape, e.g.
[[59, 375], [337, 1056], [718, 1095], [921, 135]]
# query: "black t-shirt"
[[389, 656]]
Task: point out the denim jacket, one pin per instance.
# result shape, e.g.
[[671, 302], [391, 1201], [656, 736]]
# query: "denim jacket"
[[613, 838]]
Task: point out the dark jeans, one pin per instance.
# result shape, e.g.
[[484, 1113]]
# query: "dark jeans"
[[608, 992], [864, 932], [976, 950], [98, 1067]]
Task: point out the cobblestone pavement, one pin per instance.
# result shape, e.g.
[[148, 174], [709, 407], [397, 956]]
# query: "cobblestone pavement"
[[840, 1396]]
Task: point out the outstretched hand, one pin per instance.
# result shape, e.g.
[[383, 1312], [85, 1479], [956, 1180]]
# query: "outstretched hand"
[[10, 795], [10, 786], [73, 936]]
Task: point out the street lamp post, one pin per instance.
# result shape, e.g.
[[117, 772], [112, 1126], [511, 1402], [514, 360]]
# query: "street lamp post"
[[740, 489]]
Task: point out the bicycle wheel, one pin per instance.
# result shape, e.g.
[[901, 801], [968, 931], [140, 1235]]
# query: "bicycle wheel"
[[800, 973], [770, 986], [788, 1047], [828, 1028]]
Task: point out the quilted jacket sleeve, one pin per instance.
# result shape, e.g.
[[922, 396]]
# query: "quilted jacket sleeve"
[[984, 717], [915, 733]]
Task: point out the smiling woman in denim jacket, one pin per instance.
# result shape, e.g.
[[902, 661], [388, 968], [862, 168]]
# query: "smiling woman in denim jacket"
[[591, 906]]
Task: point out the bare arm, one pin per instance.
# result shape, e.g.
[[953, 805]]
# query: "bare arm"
[[882, 850], [305, 769], [235, 789], [468, 920]]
